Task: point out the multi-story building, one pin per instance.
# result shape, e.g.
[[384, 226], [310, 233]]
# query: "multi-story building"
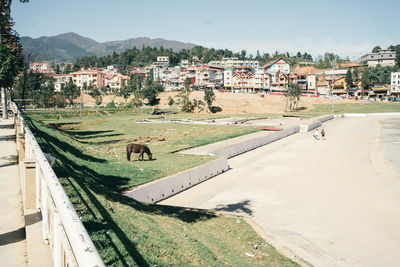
[[115, 82], [382, 57], [261, 80], [88, 77], [42, 67], [285, 79], [307, 83], [278, 65], [140, 71], [339, 86], [60, 80], [395, 83], [243, 81], [208, 76], [228, 73], [234, 62]]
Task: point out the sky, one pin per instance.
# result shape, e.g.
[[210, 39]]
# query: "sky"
[[347, 28]]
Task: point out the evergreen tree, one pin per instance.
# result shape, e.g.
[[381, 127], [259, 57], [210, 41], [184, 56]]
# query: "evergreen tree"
[[209, 97], [349, 79], [70, 91]]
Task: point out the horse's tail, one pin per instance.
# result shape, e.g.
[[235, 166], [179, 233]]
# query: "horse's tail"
[[128, 153]]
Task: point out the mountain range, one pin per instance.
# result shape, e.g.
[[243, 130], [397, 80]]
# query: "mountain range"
[[70, 46]]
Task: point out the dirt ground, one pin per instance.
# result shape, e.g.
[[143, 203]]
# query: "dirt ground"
[[235, 103]]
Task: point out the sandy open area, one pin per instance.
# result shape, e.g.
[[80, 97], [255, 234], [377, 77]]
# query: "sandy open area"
[[332, 202], [232, 103]]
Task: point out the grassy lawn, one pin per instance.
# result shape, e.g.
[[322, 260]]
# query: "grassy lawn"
[[92, 166], [362, 107]]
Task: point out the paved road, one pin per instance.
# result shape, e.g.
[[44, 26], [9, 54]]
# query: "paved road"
[[12, 224], [332, 202]]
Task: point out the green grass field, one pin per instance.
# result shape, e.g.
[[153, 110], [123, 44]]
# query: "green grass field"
[[92, 168], [362, 107]]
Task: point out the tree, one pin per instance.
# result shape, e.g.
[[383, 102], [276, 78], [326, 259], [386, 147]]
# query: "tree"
[[355, 75], [376, 49], [151, 91], [95, 93], [183, 97], [170, 101], [243, 54], [209, 97], [366, 81], [10, 51], [349, 79], [293, 96], [70, 91]]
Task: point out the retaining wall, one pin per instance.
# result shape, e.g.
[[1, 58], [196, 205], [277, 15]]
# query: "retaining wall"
[[161, 189], [317, 123], [237, 149]]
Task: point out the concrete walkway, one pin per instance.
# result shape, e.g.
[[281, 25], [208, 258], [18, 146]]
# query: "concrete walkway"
[[331, 202], [12, 223]]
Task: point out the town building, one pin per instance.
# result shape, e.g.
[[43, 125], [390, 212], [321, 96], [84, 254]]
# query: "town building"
[[285, 79], [395, 83], [228, 74], [60, 80], [144, 72], [323, 87], [234, 62], [42, 67], [88, 77], [114, 82], [261, 81], [340, 86], [278, 65], [382, 57], [243, 81], [380, 91]]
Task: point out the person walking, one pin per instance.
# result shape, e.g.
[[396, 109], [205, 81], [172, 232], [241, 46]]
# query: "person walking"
[[323, 134], [316, 134]]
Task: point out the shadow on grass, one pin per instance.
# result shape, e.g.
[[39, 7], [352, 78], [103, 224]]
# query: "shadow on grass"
[[83, 170]]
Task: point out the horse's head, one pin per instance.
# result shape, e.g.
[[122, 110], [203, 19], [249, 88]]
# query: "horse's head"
[[150, 156]]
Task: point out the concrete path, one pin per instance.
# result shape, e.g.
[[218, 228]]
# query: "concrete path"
[[12, 224], [332, 202]]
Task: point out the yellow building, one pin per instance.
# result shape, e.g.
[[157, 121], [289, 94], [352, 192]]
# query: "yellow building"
[[340, 86]]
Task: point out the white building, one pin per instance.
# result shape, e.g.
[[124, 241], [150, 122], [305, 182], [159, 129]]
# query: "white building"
[[228, 73], [395, 83], [383, 58], [60, 80], [234, 62]]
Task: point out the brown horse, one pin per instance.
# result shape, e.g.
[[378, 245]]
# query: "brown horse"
[[137, 148]]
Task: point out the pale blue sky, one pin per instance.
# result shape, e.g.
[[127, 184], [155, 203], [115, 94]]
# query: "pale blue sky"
[[348, 28]]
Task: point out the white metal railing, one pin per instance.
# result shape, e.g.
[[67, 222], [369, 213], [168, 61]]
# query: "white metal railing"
[[62, 229]]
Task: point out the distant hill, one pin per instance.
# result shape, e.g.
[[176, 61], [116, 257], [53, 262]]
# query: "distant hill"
[[70, 46]]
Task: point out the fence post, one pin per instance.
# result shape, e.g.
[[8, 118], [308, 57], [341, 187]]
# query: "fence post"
[[29, 186]]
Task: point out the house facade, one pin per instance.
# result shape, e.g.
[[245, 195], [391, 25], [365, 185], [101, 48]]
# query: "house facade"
[[89, 77], [279, 65], [395, 83], [382, 57], [60, 80], [243, 81], [234, 62], [115, 82]]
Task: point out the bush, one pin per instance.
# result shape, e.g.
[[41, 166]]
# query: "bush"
[[111, 105]]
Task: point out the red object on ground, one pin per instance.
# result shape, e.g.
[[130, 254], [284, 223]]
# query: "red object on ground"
[[271, 129]]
